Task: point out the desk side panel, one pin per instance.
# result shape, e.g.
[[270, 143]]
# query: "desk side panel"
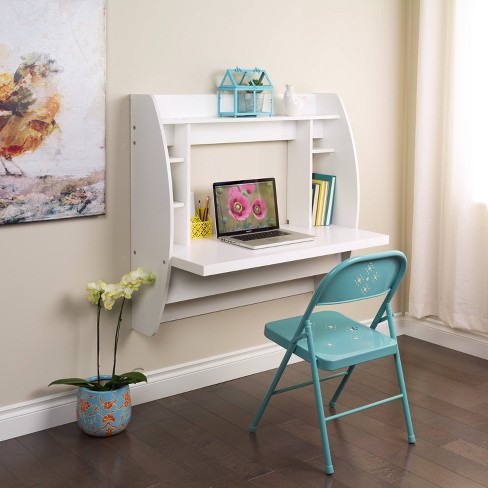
[[342, 162], [151, 212]]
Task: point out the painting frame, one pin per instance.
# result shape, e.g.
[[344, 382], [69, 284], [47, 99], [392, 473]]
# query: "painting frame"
[[52, 110]]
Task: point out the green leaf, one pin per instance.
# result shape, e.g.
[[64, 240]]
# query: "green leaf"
[[136, 376], [72, 382], [80, 382], [116, 382], [132, 377]]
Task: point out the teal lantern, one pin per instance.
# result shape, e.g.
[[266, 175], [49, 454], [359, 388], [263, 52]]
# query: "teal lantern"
[[245, 93]]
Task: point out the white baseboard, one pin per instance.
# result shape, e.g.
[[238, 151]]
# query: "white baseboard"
[[44, 413], [433, 331], [54, 410]]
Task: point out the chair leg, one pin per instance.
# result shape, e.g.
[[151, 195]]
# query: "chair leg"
[[341, 386], [271, 389], [406, 408], [329, 468]]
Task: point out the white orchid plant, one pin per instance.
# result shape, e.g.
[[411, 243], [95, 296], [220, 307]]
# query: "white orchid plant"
[[105, 295]]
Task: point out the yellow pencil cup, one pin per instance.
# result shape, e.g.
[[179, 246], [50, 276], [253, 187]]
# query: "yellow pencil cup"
[[199, 229]]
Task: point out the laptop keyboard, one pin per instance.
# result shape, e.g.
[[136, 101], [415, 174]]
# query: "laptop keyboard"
[[261, 235]]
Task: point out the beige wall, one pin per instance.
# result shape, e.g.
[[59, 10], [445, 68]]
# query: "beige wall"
[[353, 47]]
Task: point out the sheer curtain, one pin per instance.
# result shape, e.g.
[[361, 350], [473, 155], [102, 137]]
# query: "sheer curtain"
[[449, 259]]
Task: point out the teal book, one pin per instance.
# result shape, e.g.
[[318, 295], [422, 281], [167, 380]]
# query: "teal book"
[[329, 198]]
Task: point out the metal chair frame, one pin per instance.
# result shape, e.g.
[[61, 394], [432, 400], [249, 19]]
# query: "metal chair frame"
[[357, 278]]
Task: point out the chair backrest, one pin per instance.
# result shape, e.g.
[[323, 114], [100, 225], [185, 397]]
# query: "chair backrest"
[[362, 277]]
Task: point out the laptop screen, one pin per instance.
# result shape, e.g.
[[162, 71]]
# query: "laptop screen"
[[245, 206]]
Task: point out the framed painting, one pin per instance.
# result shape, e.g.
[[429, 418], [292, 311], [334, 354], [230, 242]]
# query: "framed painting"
[[52, 110]]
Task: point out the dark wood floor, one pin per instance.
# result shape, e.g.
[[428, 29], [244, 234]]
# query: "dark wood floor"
[[200, 439]]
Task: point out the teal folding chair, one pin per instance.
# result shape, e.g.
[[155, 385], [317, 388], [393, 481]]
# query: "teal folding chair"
[[330, 341]]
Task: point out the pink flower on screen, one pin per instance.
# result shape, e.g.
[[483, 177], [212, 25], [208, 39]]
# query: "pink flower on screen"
[[239, 205], [259, 208], [249, 188]]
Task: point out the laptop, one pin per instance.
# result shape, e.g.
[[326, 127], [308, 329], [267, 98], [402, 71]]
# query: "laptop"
[[246, 214]]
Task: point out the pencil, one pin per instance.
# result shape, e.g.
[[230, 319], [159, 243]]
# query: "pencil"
[[205, 211]]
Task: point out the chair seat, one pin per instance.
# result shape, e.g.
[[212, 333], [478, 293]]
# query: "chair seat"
[[339, 341]]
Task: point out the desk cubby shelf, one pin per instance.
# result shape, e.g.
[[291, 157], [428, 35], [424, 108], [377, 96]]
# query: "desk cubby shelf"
[[203, 276]]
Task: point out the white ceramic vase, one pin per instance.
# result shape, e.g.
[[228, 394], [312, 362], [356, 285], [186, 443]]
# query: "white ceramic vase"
[[292, 103]]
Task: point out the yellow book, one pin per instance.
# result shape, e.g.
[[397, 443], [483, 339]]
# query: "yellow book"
[[315, 200], [321, 202]]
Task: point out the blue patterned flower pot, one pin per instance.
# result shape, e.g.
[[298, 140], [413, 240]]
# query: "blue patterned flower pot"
[[103, 413]]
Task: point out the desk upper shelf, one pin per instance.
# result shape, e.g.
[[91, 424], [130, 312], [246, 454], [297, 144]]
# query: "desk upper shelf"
[[243, 120]]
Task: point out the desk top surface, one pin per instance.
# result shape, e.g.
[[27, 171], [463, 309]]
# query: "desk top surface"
[[207, 257]]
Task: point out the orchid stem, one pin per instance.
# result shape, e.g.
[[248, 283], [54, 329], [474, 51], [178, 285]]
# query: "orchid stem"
[[98, 337], [117, 335]]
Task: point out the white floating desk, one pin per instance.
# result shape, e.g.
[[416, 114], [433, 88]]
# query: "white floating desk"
[[206, 275]]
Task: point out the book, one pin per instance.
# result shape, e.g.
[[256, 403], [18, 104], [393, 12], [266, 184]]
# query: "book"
[[315, 199], [322, 185], [318, 190], [330, 201], [329, 197]]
